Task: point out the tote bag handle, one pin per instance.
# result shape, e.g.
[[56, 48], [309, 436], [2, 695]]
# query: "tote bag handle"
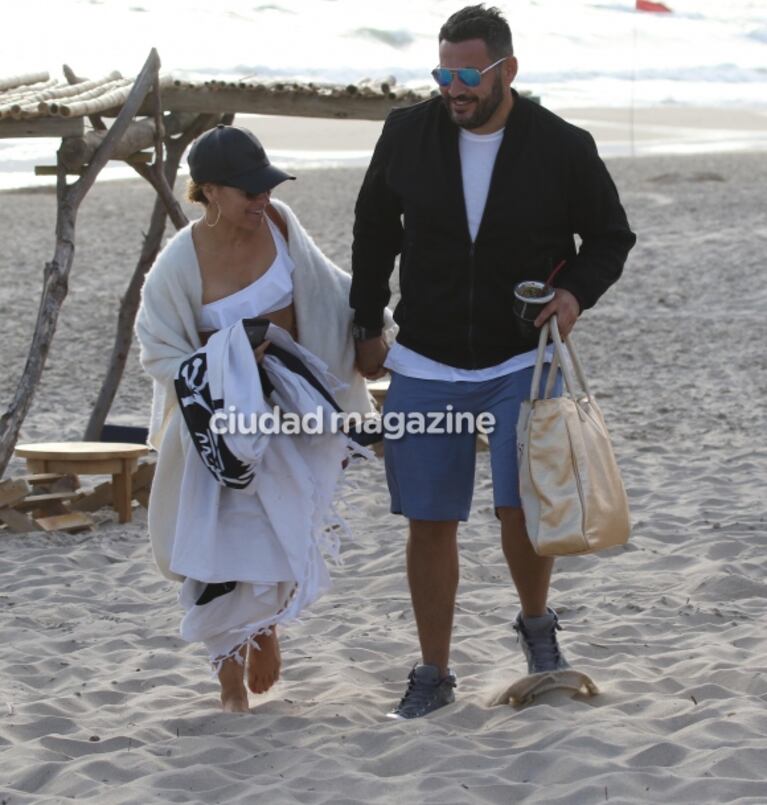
[[565, 357]]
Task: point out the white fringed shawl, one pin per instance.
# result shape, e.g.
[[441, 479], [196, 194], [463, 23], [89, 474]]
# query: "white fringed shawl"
[[270, 534], [167, 331]]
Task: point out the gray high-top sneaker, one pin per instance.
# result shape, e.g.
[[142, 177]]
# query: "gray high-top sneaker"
[[426, 692], [539, 642]]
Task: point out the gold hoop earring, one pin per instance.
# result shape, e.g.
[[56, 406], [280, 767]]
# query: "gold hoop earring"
[[218, 217]]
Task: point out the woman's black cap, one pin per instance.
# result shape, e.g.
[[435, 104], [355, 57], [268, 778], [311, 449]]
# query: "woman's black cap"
[[234, 157]]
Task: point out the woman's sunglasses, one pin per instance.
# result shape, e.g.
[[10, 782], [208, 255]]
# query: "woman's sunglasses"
[[469, 76]]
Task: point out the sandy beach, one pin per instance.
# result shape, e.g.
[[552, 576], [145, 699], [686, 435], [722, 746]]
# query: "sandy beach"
[[101, 701]]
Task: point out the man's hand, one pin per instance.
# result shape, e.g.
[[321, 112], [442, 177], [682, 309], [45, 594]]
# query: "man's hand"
[[370, 356], [566, 308]]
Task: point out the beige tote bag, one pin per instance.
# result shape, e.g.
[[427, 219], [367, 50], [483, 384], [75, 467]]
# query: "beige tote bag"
[[571, 489]]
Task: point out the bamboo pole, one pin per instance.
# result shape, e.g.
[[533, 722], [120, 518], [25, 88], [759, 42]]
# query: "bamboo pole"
[[74, 90], [95, 120], [27, 91], [56, 275], [79, 108], [20, 80], [37, 103], [53, 106], [69, 105], [10, 100], [50, 106], [113, 99]]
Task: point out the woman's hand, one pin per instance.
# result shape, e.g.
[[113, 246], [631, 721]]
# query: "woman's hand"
[[260, 350]]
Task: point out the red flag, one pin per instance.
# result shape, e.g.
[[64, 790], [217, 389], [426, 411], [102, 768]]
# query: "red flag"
[[647, 5]]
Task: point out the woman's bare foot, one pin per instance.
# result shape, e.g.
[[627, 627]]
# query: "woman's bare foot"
[[264, 662], [234, 697]]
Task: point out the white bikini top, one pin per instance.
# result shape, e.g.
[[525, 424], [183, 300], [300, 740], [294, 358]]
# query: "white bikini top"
[[273, 290]]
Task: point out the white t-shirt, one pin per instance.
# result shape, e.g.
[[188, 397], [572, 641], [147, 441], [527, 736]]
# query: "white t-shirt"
[[478, 153]]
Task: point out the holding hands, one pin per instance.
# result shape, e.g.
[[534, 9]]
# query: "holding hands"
[[370, 356]]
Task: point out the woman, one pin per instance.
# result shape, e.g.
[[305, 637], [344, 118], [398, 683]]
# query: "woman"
[[247, 256]]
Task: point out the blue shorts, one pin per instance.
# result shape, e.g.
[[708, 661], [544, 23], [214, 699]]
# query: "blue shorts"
[[431, 475]]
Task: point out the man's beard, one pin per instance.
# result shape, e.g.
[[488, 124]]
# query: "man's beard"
[[483, 110]]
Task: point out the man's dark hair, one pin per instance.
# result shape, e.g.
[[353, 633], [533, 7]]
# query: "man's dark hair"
[[478, 22]]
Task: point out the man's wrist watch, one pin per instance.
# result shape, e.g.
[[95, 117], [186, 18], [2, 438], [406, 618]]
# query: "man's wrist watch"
[[360, 333]]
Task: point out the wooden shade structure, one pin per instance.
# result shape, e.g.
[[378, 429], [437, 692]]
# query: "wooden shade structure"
[[150, 111]]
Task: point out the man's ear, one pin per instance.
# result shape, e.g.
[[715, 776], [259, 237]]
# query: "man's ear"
[[510, 68]]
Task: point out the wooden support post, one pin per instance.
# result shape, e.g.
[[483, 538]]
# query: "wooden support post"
[[122, 490], [56, 275], [140, 134], [165, 204]]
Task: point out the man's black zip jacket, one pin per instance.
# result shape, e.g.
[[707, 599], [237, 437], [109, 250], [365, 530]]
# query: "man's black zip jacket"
[[548, 185]]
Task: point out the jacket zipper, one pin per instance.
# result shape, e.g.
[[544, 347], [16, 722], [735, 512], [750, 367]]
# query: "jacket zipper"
[[472, 355]]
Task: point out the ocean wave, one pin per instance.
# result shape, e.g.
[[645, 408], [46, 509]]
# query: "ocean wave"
[[721, 73], [396, 39], [272, 7]]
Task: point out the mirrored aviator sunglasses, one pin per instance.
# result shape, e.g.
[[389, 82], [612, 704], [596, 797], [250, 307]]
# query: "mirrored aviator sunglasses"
[[468, 76]]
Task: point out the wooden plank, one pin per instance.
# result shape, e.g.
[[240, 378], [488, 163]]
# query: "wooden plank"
[[97, 498], [42, 127], [42, 478], [72, 521], [41, 501], [13, 490], [142, 496], [52, 481], [45, 497], [143, 476], [49, 509], [17, 522], [52, 170], [140, 158], [66, 483]]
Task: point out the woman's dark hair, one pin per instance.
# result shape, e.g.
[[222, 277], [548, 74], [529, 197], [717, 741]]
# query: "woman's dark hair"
[[478, 22], [194, 192]]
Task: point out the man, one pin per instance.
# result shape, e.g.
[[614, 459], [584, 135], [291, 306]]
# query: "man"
[[476, 190]]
